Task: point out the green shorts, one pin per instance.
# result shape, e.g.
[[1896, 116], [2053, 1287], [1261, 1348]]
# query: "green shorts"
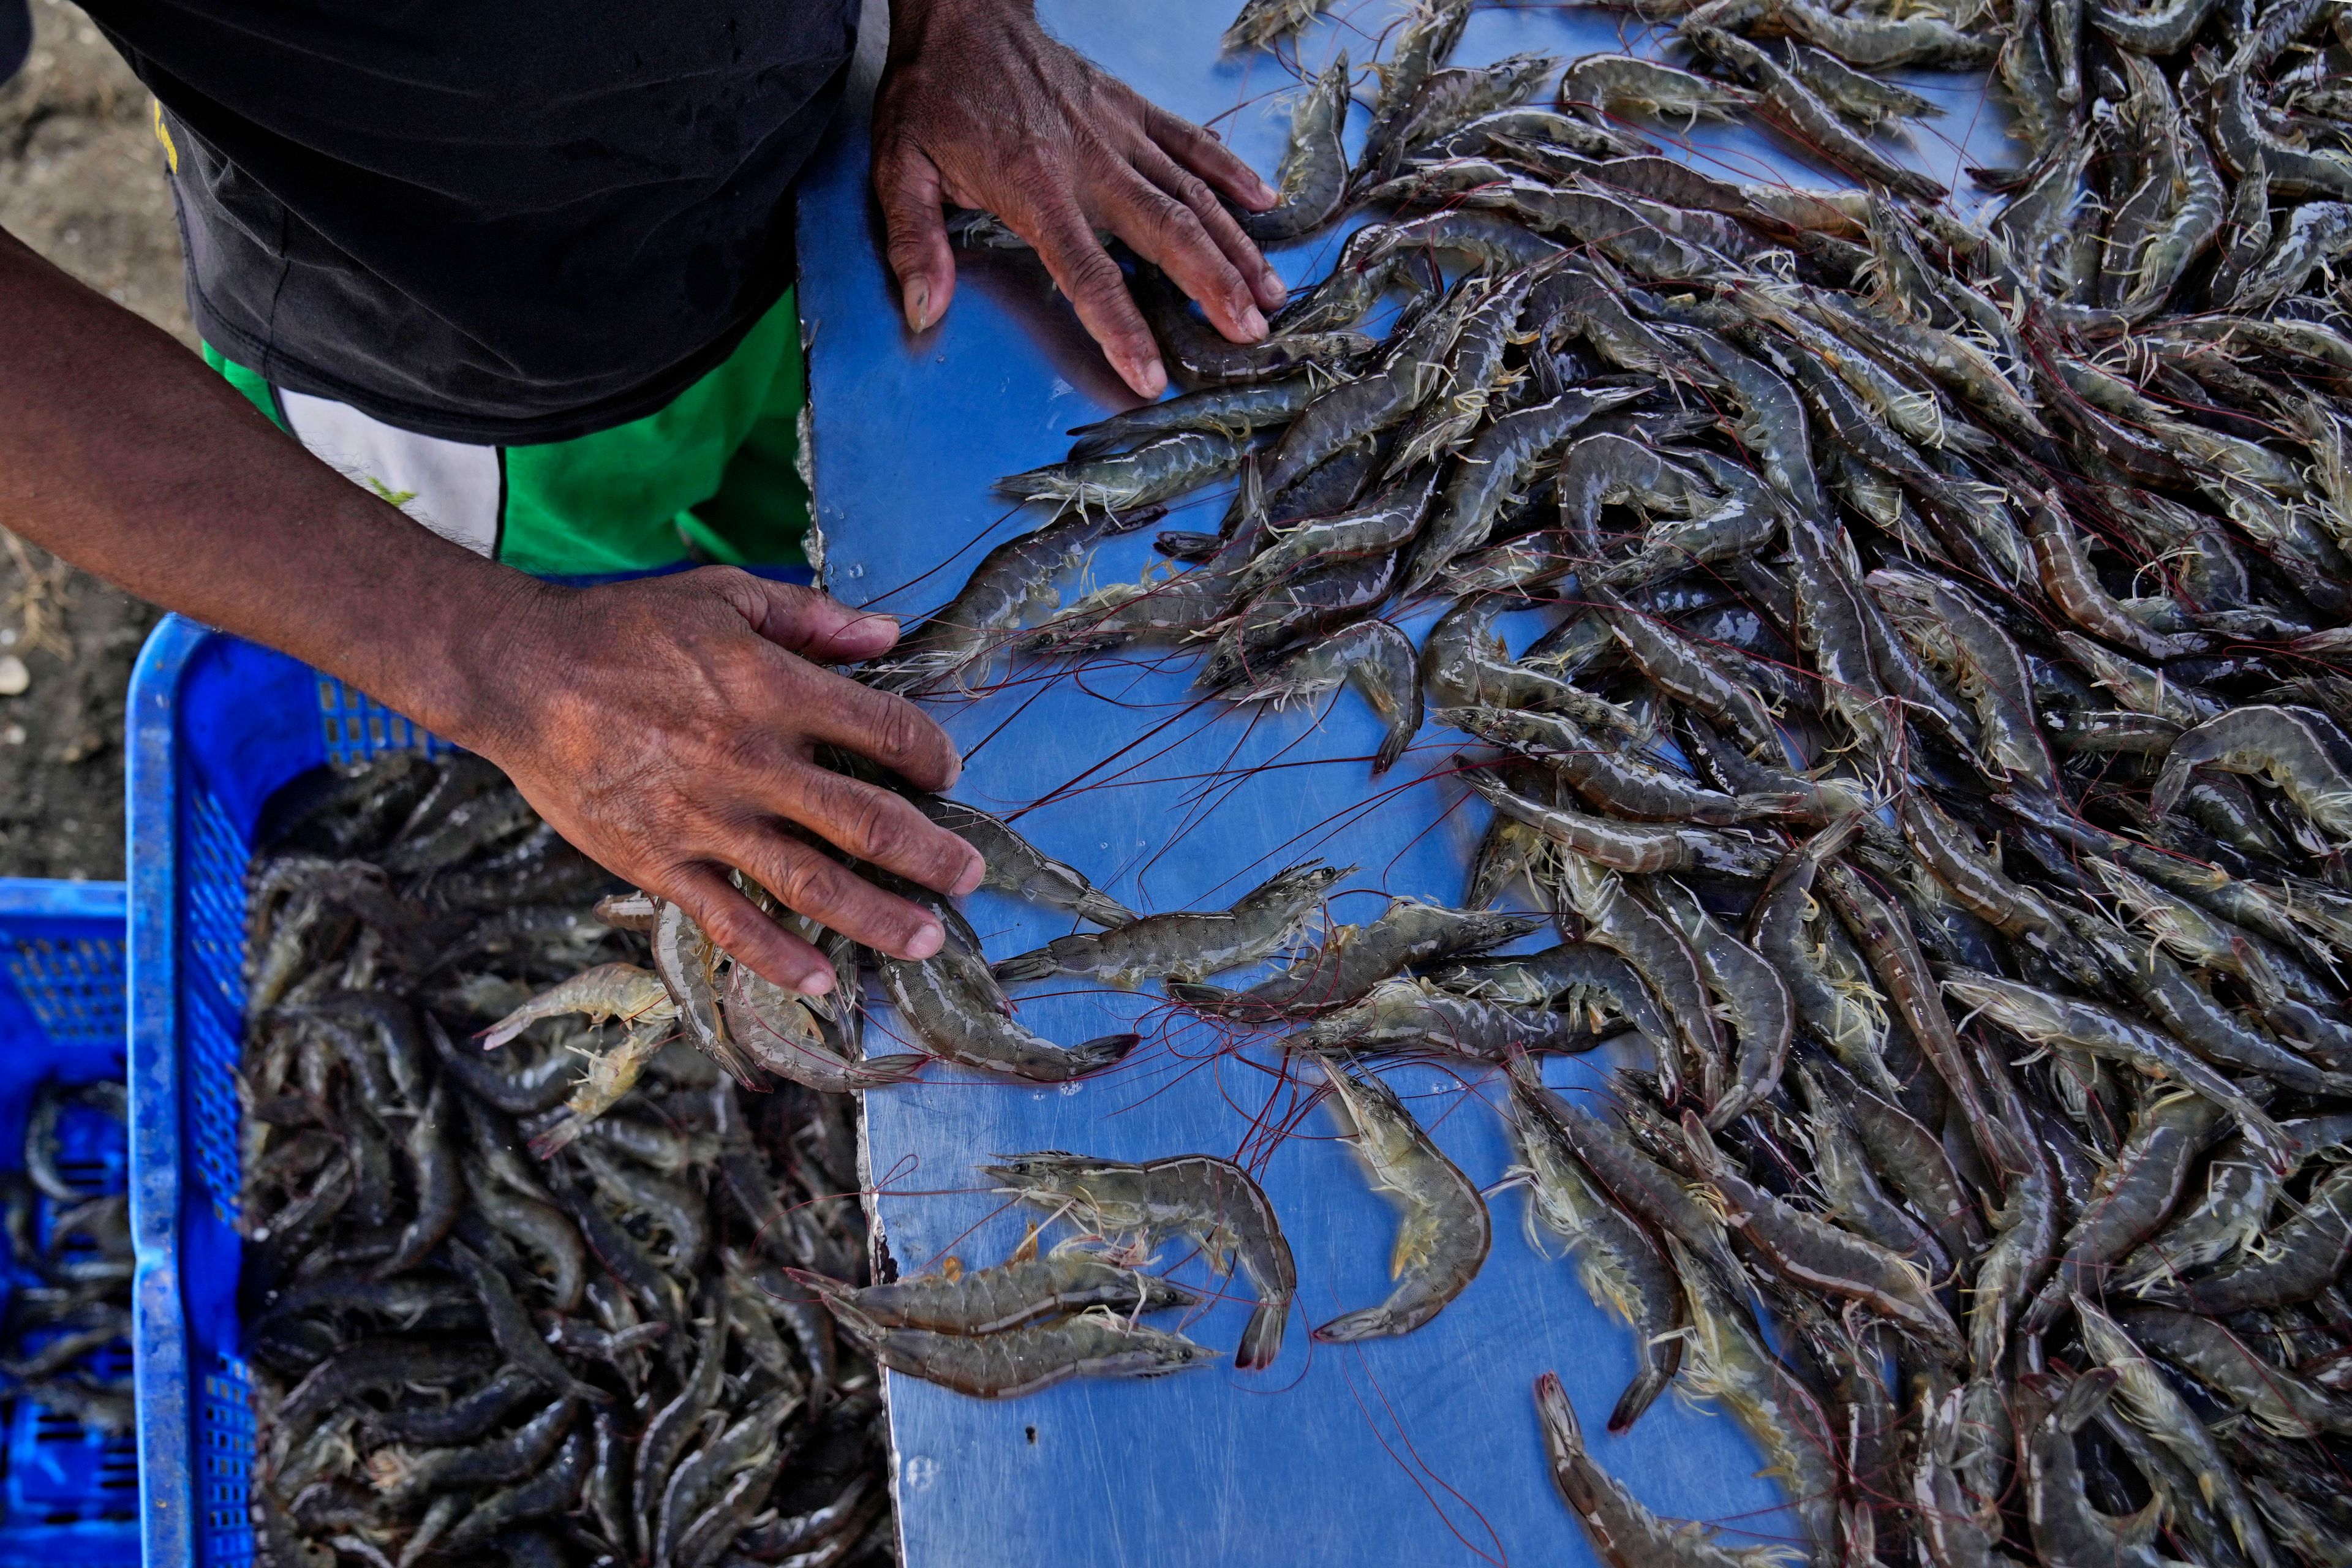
[[715, 476]]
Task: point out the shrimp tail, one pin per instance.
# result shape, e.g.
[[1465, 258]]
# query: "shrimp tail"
[[1262, 1338], [1642, 1393]]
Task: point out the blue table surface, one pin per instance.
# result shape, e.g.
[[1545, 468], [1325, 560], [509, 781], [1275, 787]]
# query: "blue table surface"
[[1423, 1450]]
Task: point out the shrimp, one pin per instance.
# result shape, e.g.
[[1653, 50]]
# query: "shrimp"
[[1572, 977], [2177, 1002], [1212, 1202], [1620, 845], [1621, 1269], [1016, 866], [958, 1013], [1163, 467], [1788, 102], [1812, 1253], [1373, 527], [1647, 240], [1491, 466], [2043, 1018], [1754, 998], [1473, 372], [1617, 780], [1689, 672], [1625, 1534], [1448, 98], [1630, 1178], [2133, 1195], [1188, 945], [1747, 519], [1617, 921], [609, 991], [2067, 1527], [2279, 1401], [1096, 1343], [1423, 47], [2152, 1404], [1353, 959], [990, 1301], [1465, 664], [1726, 1360], [1312, 177], [2294, 749], [1857, 1198], [1990, 672], [1373, 657], [1232, 410], [1354, 412], [2074, 587], [2305, 1256], [1404, 1016], [1442, 1240], [991, 602], [1628, 84], [776, 1028], [1884, 934]]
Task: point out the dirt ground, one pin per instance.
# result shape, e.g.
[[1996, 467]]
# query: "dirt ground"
[[82, 181]]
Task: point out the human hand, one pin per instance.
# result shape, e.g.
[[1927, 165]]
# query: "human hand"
[[979, 107], [668, 728]]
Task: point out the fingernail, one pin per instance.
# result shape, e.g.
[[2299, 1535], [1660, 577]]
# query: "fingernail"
[[1265, 192], [1148, 378], [919, 305], [1253, 324], [925, 941], [815, 983], [972, 878], [1271, 281]]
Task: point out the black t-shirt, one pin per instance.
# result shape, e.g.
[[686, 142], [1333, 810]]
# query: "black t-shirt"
[[500, 221]]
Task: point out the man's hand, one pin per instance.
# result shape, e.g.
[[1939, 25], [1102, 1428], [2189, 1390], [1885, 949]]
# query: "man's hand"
[[668, 728], [979, 107]]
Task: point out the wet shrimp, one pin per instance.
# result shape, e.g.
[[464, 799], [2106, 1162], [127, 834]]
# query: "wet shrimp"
[[1620, 1265], [1017, 866], [1628, 84], [1574, 977], [1213, 1203], [2042, 1017], [1465, 663], [1016, 1361], [1754, 998], [1621, 922], [1312, 177], [1811, 1252], [1352, 959], [1412, 1017], [1443, 1237], [1190, 945], [609, 992], [1373, 657], [1618, 782], [1065, 1280], [1624, 1534], [2294, 750], [1639, 848], [991, 603]]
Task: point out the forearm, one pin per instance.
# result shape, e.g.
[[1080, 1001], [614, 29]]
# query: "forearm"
[[124, 455]]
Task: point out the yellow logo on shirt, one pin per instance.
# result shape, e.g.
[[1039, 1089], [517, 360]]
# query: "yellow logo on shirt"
[[163, 135]]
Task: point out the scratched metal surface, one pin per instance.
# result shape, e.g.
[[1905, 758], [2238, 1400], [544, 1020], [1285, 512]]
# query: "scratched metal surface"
[[1423, 1450]]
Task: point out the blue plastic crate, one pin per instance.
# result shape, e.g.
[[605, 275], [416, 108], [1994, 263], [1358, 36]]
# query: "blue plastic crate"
[[68, 1496], [216, 725]]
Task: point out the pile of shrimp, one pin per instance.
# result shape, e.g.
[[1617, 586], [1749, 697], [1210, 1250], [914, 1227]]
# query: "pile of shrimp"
[[526, 1304], [1934, 757]]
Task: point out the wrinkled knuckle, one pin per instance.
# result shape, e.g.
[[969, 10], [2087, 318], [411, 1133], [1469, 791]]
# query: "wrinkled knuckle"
[[803, 883], [874, 831]]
